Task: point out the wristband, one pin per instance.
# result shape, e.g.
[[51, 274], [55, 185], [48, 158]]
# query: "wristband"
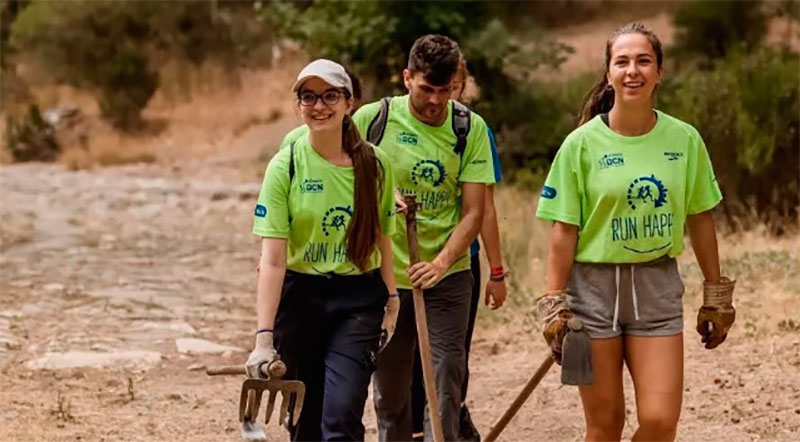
[[264, 330], [394, 295], [496, 271]]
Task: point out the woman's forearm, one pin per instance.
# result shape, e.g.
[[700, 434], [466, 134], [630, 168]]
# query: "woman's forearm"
[[703, 234], [563, 240], [270, 281], [387, 263], [272, 269]]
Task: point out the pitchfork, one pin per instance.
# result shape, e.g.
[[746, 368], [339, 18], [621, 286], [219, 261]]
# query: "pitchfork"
[[253, 389]]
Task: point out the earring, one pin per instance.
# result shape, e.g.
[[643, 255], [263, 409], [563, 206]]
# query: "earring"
[[609, 87]]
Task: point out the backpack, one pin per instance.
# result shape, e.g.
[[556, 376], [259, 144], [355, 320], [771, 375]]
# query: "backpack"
[[461, 124]]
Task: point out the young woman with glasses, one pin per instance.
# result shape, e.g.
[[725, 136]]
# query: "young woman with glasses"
[[325, 215]]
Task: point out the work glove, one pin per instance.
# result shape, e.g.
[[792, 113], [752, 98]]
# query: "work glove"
[[389, 319], [717, 314], [263, 353], [554, 315]]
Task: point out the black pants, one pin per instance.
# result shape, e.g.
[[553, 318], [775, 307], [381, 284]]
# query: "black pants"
[[417, 384], [326, 331]]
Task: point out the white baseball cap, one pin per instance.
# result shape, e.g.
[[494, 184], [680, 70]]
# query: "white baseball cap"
[[330, 72]]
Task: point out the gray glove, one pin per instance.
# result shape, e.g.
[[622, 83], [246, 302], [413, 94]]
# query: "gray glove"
[[263, 353]]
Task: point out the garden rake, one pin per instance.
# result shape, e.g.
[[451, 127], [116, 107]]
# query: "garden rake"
[[252, 391]]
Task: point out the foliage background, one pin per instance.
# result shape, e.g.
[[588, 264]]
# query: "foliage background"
[[742, 94]]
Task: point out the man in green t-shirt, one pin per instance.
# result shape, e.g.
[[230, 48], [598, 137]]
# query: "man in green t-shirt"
[[420, 142]]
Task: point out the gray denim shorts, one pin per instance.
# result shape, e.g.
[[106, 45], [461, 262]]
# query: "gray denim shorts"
[[643, 299]]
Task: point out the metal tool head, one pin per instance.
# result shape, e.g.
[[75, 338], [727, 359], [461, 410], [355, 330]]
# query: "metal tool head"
[[253, 389], [576, 357]]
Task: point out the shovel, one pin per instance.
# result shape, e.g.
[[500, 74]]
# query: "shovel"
[[252, 391], [576, 369]]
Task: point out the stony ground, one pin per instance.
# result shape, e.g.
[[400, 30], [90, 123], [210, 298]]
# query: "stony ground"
[[109, 279]]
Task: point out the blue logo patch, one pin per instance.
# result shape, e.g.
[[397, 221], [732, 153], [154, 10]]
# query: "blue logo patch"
[[646, 189], [336, 218], [672, 156], [549, 192], [428, 170], [611, 160], [261, 211]]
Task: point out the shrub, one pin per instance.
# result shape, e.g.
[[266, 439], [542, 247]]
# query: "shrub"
[[747, 108], [713, 28]]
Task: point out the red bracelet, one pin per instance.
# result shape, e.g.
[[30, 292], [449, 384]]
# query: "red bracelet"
[[496, 271]]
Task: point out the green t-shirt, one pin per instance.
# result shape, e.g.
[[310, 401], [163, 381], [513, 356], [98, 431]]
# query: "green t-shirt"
[[313, 211], [425, 164], [629, 195], [294, 135]]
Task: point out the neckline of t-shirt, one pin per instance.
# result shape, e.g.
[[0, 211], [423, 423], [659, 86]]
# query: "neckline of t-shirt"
[[406, 102], [634, 139], [323, 160]]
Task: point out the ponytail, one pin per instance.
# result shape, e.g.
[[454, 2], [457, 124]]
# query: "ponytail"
[[364, 228], [599, 100]]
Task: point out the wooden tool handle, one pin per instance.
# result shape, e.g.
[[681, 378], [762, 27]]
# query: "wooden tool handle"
[[411, 228], [273, 370], [422, 325], [520, 399]]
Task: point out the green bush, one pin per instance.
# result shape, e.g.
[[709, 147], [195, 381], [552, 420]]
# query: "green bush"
[[92, 45], [115, 48], [713, 28], [747, 108]]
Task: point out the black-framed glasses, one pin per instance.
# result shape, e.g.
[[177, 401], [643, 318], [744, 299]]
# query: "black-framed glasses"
[[330, 97]]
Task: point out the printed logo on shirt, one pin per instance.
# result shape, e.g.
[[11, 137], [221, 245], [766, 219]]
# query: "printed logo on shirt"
[[637, 233], [336, 218], [611, 160], [261, 211], [647, 190], [549, 192], [672, 156], [407, 138], [431, 171], [311, 185]]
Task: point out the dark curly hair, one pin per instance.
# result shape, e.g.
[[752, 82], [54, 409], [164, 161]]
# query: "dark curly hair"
[[436, 57]]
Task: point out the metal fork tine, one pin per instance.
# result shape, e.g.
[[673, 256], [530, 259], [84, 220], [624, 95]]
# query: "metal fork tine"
[[284, 406], [257, 405], [270, 404], [298, 406]]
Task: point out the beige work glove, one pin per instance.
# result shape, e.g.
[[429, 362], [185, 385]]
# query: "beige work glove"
[[554, 315], [716, 316], [389, 319], [263, 353]]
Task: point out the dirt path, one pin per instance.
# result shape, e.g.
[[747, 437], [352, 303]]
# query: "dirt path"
[[122, 262]]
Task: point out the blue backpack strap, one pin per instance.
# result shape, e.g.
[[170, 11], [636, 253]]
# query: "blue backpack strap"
[[461, 126], [378, 124]]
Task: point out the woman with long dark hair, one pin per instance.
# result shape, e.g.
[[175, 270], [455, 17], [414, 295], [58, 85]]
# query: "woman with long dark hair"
[[326, 274]]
